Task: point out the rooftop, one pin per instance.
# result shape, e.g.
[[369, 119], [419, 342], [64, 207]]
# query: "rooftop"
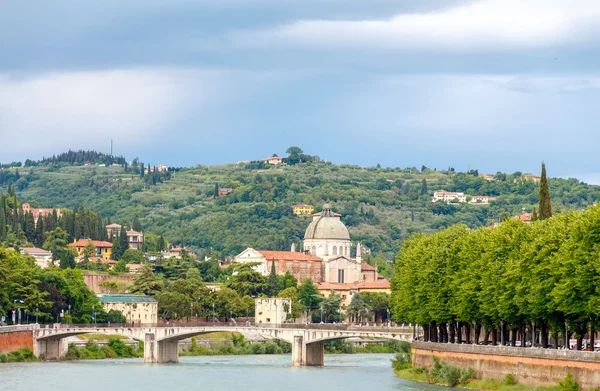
[[96, 243], [126, 299], [34, 250], [288, 256]]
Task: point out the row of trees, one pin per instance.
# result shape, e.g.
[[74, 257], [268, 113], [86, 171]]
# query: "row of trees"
[[544, 276]]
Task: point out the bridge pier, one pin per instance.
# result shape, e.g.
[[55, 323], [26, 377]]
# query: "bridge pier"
[[307, 354], [50, 349], [160, 351]]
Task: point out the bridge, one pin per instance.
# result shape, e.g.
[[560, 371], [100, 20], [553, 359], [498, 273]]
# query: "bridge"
[[161, 343]]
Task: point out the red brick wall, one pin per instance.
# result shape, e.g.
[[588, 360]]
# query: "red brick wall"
[[16, 340]]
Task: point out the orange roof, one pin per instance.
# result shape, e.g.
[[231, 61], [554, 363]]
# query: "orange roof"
[[102, 260], [133, 233], [134, 266], [335, 286], [288, 256], [366, 267], [96, 243], [380, 284], [35, 250]]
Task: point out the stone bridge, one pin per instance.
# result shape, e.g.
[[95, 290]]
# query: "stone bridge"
[[161, 343]]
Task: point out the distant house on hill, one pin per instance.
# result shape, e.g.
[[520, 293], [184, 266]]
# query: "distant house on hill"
[[273, 160], [527, 218], [39, 212], [223, 191], [134, 238], [103, 249], [448, 197], [482, 199], [487, 177], [531, 177], [42, 257], [303, 209]]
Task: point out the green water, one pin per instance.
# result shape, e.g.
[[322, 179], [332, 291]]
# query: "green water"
[[368, 372]]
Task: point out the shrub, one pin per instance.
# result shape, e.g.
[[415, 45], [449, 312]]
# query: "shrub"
[[510, 380], [450, 375], [73, 352], [258, 348], [568, 384], [401, 361], [92, 346], [272, 348]]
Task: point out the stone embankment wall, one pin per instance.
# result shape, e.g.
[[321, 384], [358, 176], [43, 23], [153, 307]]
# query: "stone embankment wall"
[[93, 281], [534, 367], [12, 341]]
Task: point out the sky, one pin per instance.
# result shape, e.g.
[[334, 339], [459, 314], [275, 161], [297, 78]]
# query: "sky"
[[496, 85]]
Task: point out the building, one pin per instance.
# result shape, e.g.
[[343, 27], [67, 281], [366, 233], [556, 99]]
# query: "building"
[[303, 210], [103, 249], [531, 177], [161, 168], [527, 218], [42, 257], [113, 230], [40, 212], [448, 197], [300, 265], [487, 177], [135, 239], [137, 309], [326, 236], [272, 310], [273, 160], [482, 199], [347, 291], [223, 191]]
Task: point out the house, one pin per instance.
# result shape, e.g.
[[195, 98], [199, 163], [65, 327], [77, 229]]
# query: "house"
[[482, 199], [42, 258], [103, 249], [137, 309], [448, 197], [531, 177], [223, 191], [160, 168], [300, 265], [487, 177], [113, 230], [134, 267], [303, 210], [273, 160], [135, 239], [40, 212], [272, 310], [346, 291], [527, 218]]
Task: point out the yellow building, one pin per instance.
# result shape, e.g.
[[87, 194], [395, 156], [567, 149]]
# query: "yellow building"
[[103, 249], [303, 209], [137, 309]]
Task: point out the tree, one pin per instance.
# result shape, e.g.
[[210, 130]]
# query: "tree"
[[297, 307], [136, 225], [133, 256], [56, 242], [247, 281], [120, 267], [116, 252], [294, 155], [424, 187], [331, 307], [147, 283], [123, 241], [308, 295], [89, 251], [357, 309], [273, 281], [545, 207]]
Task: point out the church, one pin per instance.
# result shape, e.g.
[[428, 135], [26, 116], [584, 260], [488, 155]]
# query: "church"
[[325, 259]]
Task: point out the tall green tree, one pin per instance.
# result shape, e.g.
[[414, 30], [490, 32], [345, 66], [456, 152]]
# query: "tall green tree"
[[147, 283], [424, 190], [136, 225], [545, 207]]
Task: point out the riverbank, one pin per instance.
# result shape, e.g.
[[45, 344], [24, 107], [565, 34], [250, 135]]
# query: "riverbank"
[[441, 373], [20, 355]]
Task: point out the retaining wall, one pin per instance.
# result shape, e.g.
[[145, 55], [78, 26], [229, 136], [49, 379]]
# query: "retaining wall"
[[534, 367], [16, 340]]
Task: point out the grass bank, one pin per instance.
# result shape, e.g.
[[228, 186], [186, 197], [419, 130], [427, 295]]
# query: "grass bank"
[[21, 355], [236, 346], [447, 375], [115, 348]]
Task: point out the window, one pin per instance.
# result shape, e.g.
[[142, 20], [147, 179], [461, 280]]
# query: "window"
[[341, 276], [334, 250]]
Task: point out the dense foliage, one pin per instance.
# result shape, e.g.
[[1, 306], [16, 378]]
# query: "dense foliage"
[[512, 277], [380, 206], [44, 294]]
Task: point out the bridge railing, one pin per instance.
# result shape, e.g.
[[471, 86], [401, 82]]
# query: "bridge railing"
[[20, 327]]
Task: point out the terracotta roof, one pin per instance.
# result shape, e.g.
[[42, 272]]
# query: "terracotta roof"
[[104, 261], [114, 226], [335, 286], [133, 233], [35, 250], [134, 266], [366, 267], [380, 284], [96, 243], [288, 256]]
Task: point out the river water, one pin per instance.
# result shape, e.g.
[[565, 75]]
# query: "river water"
[[364, 372]]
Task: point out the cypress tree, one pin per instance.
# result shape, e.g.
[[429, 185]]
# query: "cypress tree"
[[545, 208], [136, 226], [123, 242], [2, 224], [424, 187], [273, 281]]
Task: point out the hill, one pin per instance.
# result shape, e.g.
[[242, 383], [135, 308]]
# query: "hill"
[[380, 206]]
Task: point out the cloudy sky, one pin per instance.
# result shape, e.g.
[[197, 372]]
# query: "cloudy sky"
[[498, 85]]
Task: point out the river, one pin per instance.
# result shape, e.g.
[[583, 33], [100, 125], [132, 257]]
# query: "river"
[[365, 372]]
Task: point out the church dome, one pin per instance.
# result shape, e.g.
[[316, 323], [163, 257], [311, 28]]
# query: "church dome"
[[327, 226]]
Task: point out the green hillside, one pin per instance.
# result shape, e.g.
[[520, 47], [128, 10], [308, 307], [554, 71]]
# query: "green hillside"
[[380, 206]]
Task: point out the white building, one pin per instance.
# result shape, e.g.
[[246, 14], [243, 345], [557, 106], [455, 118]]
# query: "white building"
[[481, 199], [326, 236], [42, 257], [448, 196], [272, 310]]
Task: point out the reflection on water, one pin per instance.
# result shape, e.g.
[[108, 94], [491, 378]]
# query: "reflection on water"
[[371, 372]]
